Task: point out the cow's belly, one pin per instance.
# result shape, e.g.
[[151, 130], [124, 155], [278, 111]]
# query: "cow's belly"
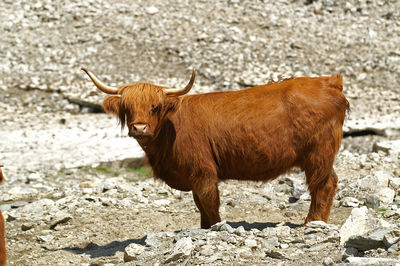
[[175, 180], [258, 166]]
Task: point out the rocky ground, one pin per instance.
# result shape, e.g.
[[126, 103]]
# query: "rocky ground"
[[76, 190]]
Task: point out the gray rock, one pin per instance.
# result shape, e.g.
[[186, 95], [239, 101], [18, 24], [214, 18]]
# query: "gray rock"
[[38, 210], [27, 226], [375, 181], [386, 195], [349, 202], [275, 253], [154, 240], [356, 224], [314, 227], [394, 182], [250, 242], [393, 214], [270, 242], [35, 177], [394, 248], [226, 227], [182, 249], [132, 251], [19, 193], [162, 203], [298, 190], [207, 250], [326, 232], [284, 245], [45, 238], [388, 146], [240, 231], [328, 262], [152, 10], [372, 201], [60, 218], [349, 252], [372, 240], [359, 261], [391, 238], [222, 226], [12, 216]]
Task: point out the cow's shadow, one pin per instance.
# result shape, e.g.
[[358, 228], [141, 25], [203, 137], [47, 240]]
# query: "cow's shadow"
[[110, 249], [260, 226]]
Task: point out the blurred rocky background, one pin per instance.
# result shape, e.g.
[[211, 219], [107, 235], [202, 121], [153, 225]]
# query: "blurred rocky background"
[[76, 189]]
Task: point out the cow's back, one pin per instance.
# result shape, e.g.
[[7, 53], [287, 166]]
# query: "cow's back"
[[260, 132]]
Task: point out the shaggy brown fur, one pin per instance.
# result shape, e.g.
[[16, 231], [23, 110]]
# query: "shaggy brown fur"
[[195, 141]]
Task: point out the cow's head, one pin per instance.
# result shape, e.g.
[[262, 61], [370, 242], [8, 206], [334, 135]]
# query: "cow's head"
[[141, 106]]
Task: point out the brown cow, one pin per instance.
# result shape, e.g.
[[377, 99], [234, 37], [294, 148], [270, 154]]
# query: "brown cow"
[[194, 141], [3, 252]]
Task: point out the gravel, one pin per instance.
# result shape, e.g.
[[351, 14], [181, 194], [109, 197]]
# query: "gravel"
[[76, 191]]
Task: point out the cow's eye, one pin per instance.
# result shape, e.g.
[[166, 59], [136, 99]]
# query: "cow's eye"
[[155, 108]]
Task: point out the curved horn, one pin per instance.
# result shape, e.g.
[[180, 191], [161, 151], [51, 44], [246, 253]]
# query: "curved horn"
[[103, 87], [184, 90]]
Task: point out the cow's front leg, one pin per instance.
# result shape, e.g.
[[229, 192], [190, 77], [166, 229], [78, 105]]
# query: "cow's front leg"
[[203, 215], [206, 197]]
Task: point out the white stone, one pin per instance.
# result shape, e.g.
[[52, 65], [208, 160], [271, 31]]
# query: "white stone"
[[162, 202], [18, 192], [250, 242], [371, 261], [46, 238], [356, 224], [386, 195], [375, 181], [240, 230], [35, 176], [151, 10], [132, 251], [328, 261], [182, 249], [125, 203], [316, 224], [60, 218], [394, 183], [284, 245], [349, 202], [391, 238], [389, 146], [37, 210]]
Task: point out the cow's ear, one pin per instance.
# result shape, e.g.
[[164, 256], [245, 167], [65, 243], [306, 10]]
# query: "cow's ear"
[[172, 104], [111, 105]]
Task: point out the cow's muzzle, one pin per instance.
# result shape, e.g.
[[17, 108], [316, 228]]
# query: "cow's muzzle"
[[140, 130]]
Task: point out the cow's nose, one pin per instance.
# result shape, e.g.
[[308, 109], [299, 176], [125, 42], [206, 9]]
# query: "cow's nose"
[[140, 128]]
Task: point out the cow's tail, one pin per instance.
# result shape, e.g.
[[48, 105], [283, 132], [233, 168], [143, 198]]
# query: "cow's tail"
[[336, 81]]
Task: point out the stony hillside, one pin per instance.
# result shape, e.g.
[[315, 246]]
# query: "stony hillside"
[[76, 191]]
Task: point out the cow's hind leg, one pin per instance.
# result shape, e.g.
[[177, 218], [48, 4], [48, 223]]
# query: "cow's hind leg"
[[206, 197], [322, 189], [321, 179]]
